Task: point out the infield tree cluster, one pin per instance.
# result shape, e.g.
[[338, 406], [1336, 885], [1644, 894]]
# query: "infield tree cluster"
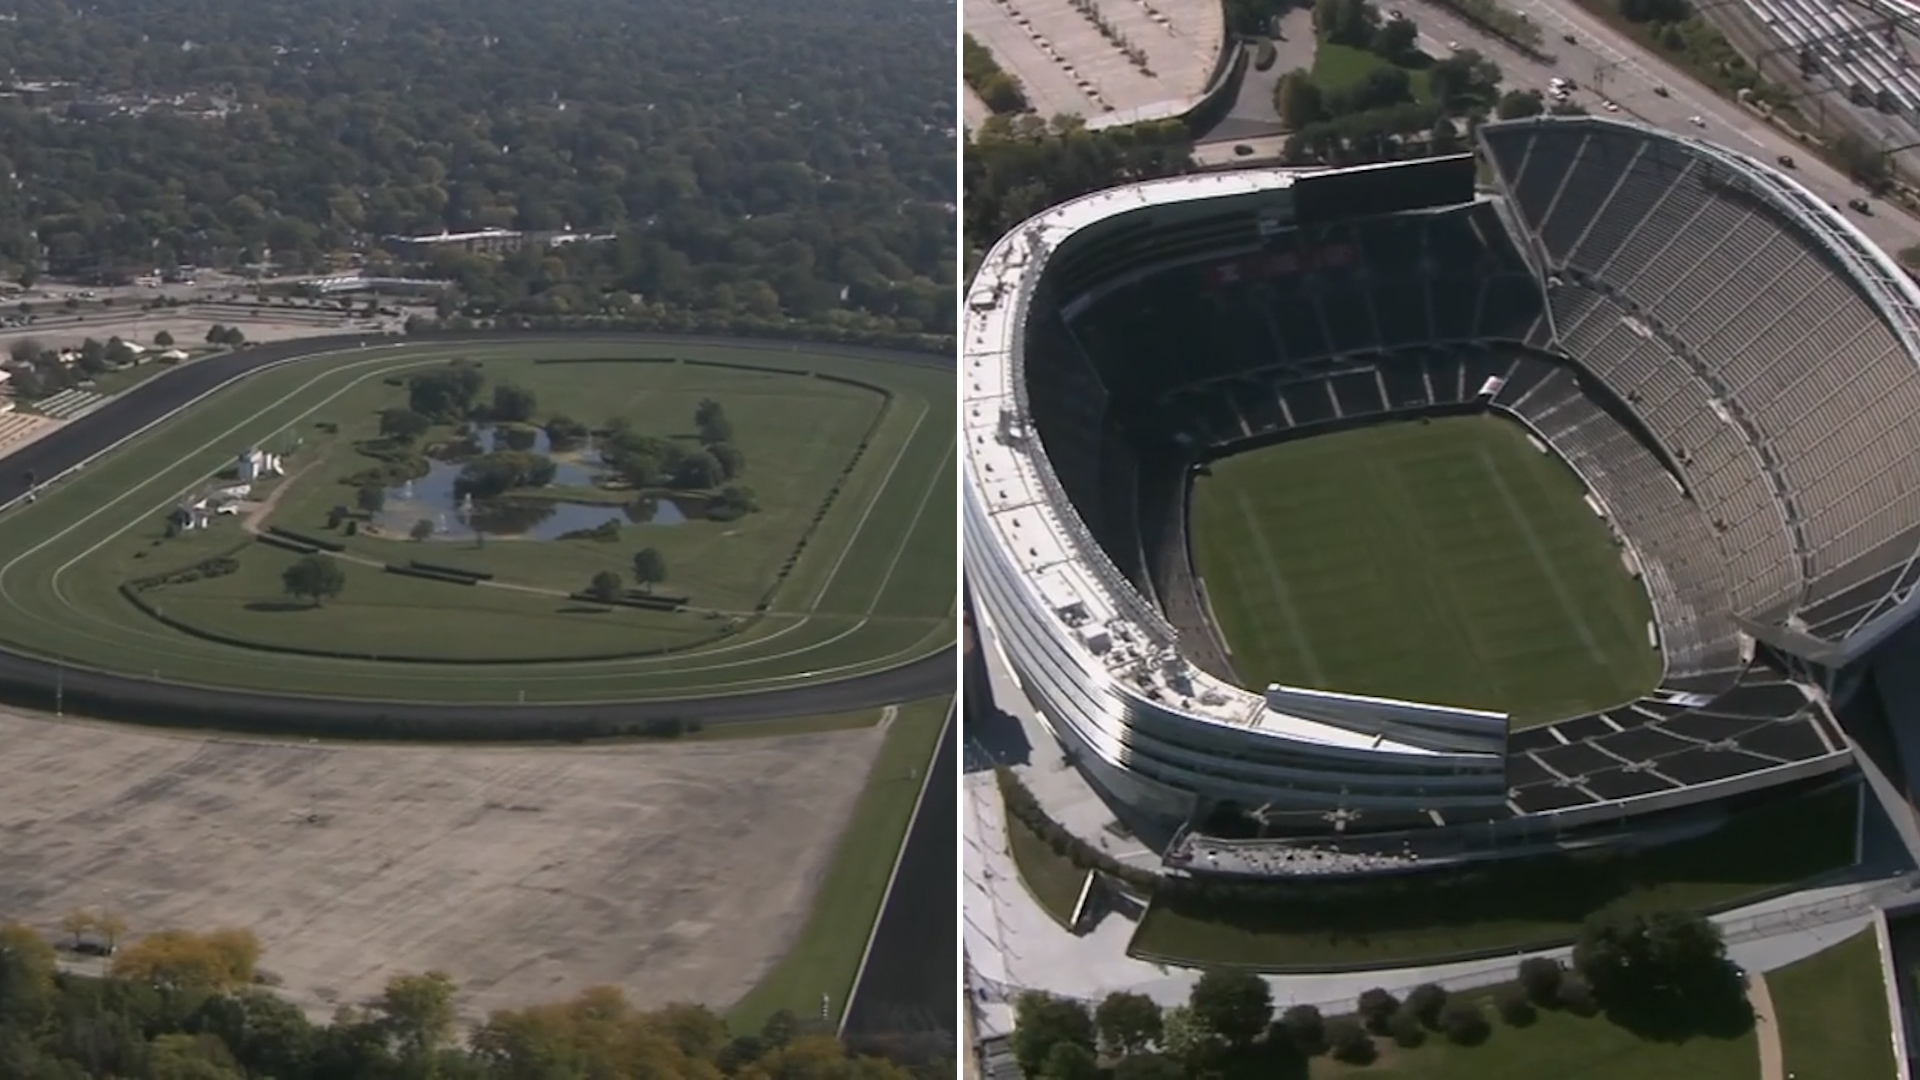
[[458, 395]]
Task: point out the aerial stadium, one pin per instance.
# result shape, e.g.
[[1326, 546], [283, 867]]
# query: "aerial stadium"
[[1382, 502]]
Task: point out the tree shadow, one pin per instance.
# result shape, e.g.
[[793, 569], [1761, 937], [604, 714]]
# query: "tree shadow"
[[281, 605], [1714, 1006]]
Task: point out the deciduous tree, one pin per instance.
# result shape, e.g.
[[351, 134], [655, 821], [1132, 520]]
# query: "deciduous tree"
[[1235, 1005], [314, 578]]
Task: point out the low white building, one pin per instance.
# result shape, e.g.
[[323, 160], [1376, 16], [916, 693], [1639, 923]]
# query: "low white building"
[[256, 463]]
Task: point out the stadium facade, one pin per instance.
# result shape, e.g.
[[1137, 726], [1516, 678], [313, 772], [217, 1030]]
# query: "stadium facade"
[[1729, 366]]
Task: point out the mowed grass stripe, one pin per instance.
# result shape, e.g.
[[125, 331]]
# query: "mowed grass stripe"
[[1447, 562]]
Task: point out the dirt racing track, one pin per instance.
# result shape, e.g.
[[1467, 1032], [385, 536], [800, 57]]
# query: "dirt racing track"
[[847, 651]]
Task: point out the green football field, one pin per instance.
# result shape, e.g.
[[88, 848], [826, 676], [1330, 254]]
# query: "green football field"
[[1447, 562]]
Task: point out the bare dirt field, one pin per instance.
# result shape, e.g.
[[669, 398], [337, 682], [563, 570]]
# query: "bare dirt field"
[[679, 871]]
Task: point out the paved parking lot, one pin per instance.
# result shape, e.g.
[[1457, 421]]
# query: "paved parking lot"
[[1066, 65]]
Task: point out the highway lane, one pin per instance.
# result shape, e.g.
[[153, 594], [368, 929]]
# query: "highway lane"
[[38, 684], [1607, 66]]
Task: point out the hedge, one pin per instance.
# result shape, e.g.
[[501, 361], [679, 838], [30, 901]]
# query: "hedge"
[[298, 547], [430, 575], [450, 571], [301, 538]]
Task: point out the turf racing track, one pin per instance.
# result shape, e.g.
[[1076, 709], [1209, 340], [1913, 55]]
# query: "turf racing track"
[[838, 654]]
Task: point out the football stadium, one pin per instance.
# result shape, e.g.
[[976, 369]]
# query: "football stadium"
[[1420, 504]]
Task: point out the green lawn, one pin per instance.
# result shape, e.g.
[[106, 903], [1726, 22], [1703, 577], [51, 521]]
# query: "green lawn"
[[872, 587], [1336, 67], [790, 466], [393, 617], [1832, 1012], [1446, 562], [1559, 1046], [826, 958], [1050, 877], [1526, 904]]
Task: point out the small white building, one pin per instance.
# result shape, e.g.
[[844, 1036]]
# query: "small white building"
[[257, 463], [192, 515]]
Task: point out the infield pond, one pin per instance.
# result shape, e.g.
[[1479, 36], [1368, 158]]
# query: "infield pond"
[[434, 497]]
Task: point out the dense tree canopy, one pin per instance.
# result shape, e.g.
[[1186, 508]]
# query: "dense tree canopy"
[[744, 163], [179, 1007]]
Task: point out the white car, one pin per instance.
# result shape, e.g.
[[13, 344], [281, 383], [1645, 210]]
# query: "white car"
[[1453, 46], [1696, 121], [1612, 107]]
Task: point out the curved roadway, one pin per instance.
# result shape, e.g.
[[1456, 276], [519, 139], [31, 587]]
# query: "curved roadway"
[[41, 684]]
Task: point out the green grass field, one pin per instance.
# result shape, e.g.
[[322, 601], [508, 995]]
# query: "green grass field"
[[1832, 1012], [1337, 67], [1559, 1045], [1051, 878], [873, 587], [826, 958], [1446, 562]]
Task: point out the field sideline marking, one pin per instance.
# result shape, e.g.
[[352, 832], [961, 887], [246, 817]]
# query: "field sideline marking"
[[1281, 593], [919, 512], [860, 525], [1540, 557], [805, 618]]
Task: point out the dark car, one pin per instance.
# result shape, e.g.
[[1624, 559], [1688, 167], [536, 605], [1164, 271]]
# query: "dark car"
[[1861, 205], [1786, 161]]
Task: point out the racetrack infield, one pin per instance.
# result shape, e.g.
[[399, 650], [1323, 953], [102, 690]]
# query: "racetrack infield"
[[865, 596], [678, 871]]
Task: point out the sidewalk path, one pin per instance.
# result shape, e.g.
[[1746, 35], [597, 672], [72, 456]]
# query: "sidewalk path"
[[1772, 1064]]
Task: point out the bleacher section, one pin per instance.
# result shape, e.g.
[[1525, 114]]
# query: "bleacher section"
[[19, 428], [1740, 340], [67, 404]]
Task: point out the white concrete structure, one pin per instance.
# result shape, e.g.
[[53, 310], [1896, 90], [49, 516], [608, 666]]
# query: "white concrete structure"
[[255, 463]]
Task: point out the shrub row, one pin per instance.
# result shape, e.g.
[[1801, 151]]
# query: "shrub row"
[[430, 575], [1023, 807], [302, 538], [298, 547], [451, 571], [213, 567], [612, 360], [676, 599], [651, 603]]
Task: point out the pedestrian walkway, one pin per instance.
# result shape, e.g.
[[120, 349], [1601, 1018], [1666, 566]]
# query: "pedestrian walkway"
[[68, 404], [1772, 1061]]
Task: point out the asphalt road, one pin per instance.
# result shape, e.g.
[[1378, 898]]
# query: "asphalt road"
[[38, 684], [1608, 67], [911, 984]]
